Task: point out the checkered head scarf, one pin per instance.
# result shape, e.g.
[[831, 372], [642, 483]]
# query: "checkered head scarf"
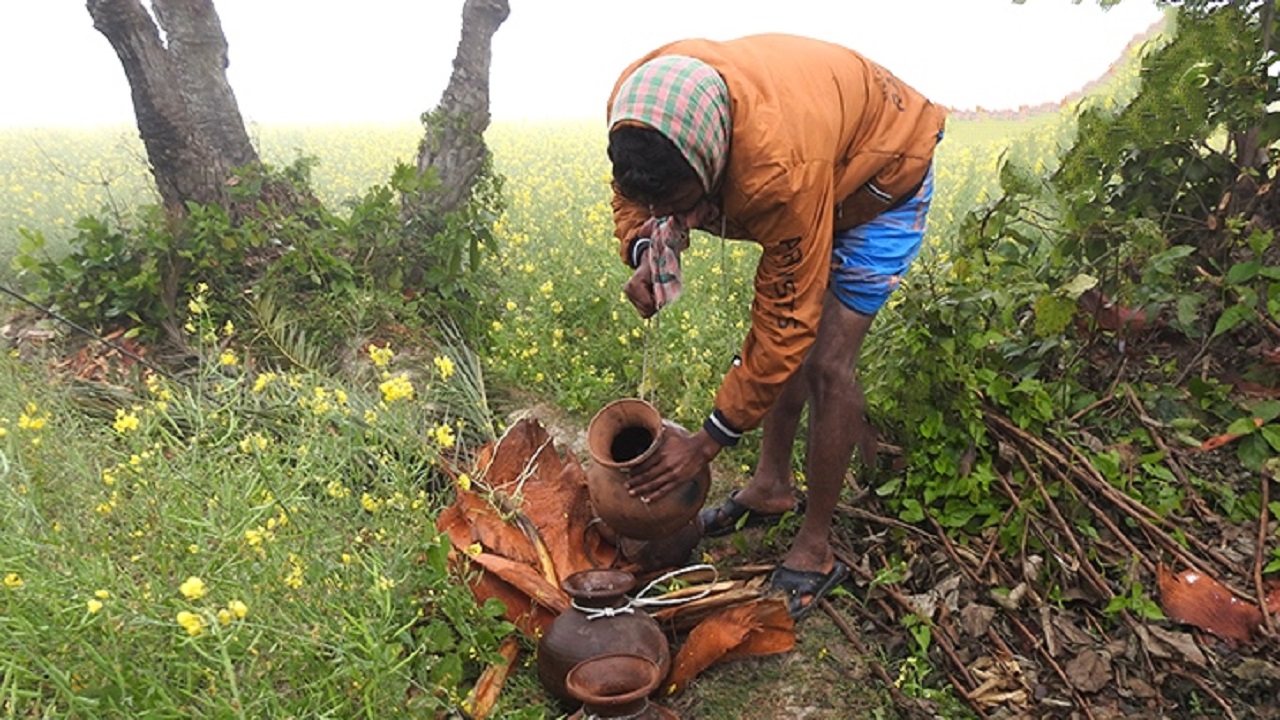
[[686, 100]]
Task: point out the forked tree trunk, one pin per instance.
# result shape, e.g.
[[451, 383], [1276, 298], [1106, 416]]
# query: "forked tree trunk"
[[453, 143], [186, 113]]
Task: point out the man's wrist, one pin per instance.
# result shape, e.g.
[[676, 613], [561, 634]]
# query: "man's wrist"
[[708, 447], [721, 430]]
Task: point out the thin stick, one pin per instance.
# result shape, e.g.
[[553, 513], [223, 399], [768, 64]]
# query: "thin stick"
[[1141, 514], [951, 551], [1098, 581], [1263, 516], [881, 520], [1174, 466], [1039, 647], [939, 637], [1226, 707], [1120, 536], [899, 698]]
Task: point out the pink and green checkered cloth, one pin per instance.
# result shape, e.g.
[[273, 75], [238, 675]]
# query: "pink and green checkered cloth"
[[686, 100]]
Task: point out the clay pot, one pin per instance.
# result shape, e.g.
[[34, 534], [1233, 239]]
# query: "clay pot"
[[575, 635], [617, 686], [673, 550], [622, 435]]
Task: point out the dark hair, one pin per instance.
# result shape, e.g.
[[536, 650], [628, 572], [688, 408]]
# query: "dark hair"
[[647, 166]]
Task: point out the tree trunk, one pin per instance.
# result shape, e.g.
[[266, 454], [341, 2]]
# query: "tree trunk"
[[198, 45], [187, 116], [453, 144]]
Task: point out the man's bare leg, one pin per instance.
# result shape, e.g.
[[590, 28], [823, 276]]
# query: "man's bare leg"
[[770, 488], [834, 397]]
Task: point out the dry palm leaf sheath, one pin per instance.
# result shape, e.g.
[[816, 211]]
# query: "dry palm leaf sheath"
[[522, 522]]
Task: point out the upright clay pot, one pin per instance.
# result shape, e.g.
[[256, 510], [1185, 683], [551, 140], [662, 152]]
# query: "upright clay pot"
[[575, 636], [622, 435], [617, 686]]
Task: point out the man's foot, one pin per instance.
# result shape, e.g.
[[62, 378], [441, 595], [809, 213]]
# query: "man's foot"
[[731, 516], [803, 589]]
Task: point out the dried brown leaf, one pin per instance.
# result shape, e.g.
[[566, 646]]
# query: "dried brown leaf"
[[1089, 671], [1197, 599], [754, 628]]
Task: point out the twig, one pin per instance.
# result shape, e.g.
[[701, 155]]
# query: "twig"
[[1098, 581], [940, 638], [1091, 407], [881, 520], [951, 551], [1174, 466], [1039, 648], [1031, 514], [1120, 536], [898, 698], [969, 696], [1258, 555], [991, 548], [1226, 707], [1141, 514]]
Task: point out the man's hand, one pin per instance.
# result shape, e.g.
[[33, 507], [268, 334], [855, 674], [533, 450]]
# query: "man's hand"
[[680, 457], [639, 290]]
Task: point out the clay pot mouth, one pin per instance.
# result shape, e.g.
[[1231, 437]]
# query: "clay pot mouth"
[[624, 433], [616, 679], [598, 583]]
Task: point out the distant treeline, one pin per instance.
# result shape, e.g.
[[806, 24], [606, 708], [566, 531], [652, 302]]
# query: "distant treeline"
[[1127, 56]]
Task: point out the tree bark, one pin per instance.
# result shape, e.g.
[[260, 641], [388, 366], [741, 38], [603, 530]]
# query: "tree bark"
[[453, 143], [198, 45], [186, 113]]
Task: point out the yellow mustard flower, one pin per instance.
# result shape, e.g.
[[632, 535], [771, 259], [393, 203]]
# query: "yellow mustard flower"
[[102, 594], [28, 419], [261, 382], [125, 421], [14, 581], [397, 388], [193, 588], [224, 617], [93, 605], [228, 357], [238, 609], [445, 366], [444, 436], [191, 622], [229, 329], [381, 356]]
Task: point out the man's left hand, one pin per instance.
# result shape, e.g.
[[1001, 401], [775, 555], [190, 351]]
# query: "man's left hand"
[[680, 457]]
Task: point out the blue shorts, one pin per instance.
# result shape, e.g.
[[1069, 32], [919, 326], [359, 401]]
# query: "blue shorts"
[[869, 261]]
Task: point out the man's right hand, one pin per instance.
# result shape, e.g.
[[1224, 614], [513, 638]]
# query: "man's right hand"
[[639, 290]]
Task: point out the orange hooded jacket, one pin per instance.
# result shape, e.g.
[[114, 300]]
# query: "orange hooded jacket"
[[822, 139]]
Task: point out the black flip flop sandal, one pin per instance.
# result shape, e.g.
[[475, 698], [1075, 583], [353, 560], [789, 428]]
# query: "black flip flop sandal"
[[796, 585], [731, 516]]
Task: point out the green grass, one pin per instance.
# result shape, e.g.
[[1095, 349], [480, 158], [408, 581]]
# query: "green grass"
[[238, 545]]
